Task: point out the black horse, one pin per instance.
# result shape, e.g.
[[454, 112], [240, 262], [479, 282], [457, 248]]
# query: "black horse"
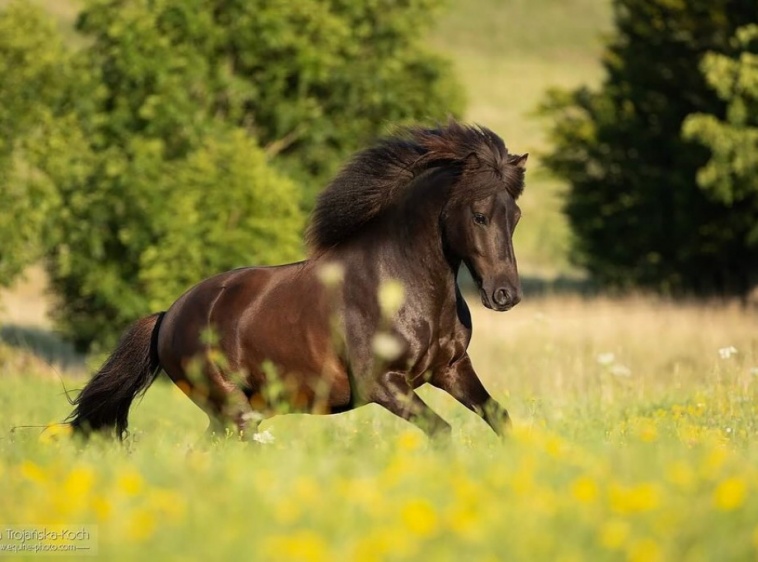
[[400, 217]]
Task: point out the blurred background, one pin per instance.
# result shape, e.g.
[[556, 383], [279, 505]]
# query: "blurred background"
[[148, 144]]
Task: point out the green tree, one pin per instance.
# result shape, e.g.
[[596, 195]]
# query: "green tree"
[[636, 210], [731, 176]]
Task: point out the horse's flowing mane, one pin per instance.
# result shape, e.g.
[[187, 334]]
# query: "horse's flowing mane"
[[375, 177]]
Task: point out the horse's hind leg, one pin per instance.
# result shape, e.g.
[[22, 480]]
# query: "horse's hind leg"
[[228, 408], [225, 403], [242, 423]]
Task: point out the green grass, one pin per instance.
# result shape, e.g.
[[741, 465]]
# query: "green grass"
[[648, 454]]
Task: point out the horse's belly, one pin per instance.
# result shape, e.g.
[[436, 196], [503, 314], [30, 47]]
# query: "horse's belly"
[[278, 389]]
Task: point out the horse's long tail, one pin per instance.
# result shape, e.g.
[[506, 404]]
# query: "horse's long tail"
[[104, 402]]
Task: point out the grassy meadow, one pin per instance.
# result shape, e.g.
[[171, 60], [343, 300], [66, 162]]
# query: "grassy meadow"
[[633, 439], [634, 418]]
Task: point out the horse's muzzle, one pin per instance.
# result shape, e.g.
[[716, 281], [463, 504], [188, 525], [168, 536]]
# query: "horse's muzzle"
[[501, 299]]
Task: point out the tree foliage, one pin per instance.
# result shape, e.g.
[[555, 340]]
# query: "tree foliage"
[[312, 80], [34, 72], [165, 144], [638, 214], [731, 175]]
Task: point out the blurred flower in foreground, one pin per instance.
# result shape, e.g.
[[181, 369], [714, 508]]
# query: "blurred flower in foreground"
[[55, 431], [619, 370], [391, 297], [730, 494], [264, 437], [331, 274], [727, 352], [606, 358], [386, 346]]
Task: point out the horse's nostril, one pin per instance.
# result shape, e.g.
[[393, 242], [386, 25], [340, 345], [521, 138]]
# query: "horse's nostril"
[[500, 297]]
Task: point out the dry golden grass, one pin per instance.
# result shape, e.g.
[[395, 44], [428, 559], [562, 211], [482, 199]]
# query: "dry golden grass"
[[570, 346]]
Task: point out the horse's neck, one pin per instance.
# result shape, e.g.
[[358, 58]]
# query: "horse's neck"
[[417, 249]]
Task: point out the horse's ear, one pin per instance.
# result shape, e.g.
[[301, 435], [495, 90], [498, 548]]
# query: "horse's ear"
[[472, 161], [520, 161]]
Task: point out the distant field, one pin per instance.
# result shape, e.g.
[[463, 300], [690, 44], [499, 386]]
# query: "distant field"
[[507, 54]]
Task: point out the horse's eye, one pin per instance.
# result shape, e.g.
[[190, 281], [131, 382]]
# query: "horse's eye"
[[479, 218]]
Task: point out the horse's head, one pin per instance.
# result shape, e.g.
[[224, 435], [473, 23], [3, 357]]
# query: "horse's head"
[[479, 223]]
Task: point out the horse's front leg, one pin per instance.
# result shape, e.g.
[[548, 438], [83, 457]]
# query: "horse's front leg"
[[394, 392], [462, 383]]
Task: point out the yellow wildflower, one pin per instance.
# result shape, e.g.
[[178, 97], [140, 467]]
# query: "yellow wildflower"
[[141, 524], [645, 550], [410, 440], [419, 517], [647, 431], [381, 543], [130, 482], [584, 489], [79, 481], [55, 431], [32, 472], [730, 494], [167, 503], [465, 519], [303, 545], [635, 499], [614, 534], [681, 474], [288, 510], [715, 461], [103, 508]]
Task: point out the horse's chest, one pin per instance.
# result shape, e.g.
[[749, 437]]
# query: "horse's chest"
[[432, 348]]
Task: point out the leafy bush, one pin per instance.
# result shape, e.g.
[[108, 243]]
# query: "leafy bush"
[[155, 227]]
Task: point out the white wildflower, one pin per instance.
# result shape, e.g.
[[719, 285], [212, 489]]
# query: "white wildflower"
[[606, 358], [264, 437], [727, 352], [619, 370]]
